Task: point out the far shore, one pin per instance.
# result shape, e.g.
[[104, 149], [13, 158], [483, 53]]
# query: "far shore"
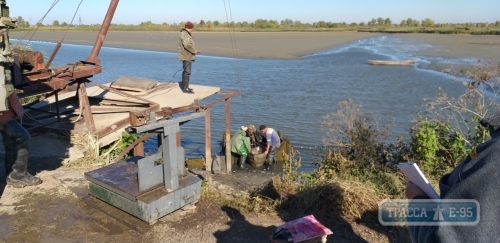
[[279, 45], [266, 45]]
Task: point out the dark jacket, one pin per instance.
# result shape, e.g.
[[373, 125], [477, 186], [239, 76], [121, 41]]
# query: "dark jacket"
[[186, 48], [476, 177]]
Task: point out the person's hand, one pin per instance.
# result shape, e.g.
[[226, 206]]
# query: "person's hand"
[[197, 52], [267, 151], [413, 190]]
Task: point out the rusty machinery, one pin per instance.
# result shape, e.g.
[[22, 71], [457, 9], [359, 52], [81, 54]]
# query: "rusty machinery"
[[31, 76]]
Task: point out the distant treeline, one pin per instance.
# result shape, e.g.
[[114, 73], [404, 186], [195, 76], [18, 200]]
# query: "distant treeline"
[[384, 25]]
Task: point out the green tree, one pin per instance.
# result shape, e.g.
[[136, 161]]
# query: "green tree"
[[380, 21], [64, 24], [372, 22], [20, 22], [321, 24], [245, 24], [216, 23], [410, 22], [210, 24], [274, 24], [362, 23], [298, 24], [202, 22], [148, 23], [403, 23], [427, 22], [286, 23], [387, 21], [497, 23], [261, 23]]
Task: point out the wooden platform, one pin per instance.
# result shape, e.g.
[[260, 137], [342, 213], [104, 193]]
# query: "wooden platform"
[[164, 94]]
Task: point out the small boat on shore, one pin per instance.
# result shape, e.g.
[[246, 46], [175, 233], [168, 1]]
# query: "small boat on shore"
[[392, 63]]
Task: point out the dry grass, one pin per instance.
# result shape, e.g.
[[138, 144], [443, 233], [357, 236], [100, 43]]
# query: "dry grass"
[[337, 198], [329, 199], [241, 201], [90, 145]]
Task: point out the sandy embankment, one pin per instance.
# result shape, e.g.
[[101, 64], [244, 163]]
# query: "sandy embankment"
[[278, 45], [281, 45], [482, 48]]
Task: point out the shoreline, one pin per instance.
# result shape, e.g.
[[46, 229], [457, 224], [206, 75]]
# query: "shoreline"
[[249, 45], [480, 48], [284, 45]]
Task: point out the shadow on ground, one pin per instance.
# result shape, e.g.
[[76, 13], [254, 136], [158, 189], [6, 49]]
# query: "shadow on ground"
[[240, 229], [395, 234], [3, 184], [47, 152], [325, 203]]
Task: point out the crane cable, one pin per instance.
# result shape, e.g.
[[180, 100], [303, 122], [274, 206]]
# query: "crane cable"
[[37, 25], [52, 6], [70, 23], [235, 53], [58, 45]]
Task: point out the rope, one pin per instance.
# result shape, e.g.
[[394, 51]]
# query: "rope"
[[235, 53]]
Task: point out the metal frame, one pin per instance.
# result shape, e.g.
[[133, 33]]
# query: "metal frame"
[[138, 144], [153, 186]]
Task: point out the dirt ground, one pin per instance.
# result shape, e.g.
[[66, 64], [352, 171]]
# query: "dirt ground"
[[51, 212]]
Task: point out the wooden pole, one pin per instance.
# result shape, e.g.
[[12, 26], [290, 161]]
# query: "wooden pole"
[[85, 106], [208, 141], [228, 136], [139, 149]]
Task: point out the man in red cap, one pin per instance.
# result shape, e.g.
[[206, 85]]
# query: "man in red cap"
[[187, 54]]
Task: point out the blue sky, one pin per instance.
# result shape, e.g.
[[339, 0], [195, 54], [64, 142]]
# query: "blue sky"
[[160, 11]]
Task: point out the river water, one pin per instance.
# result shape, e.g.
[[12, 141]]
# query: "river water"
[[292, 96]]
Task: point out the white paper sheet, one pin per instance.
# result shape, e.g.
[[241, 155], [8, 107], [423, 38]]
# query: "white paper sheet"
[[416, 176]]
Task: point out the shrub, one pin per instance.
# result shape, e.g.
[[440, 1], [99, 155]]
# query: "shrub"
[[436, 147]]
